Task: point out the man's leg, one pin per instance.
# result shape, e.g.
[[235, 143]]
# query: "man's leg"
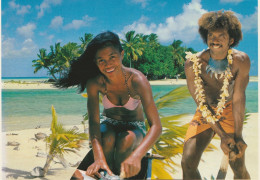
[[192, 151], [239, 168]]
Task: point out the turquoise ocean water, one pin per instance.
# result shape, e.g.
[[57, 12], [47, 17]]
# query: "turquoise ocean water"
[[22, 109]]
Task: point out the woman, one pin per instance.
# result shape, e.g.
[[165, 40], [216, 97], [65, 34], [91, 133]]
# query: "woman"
[[118, 138]]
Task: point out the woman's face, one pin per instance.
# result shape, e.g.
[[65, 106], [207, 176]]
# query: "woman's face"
[[109, 60]]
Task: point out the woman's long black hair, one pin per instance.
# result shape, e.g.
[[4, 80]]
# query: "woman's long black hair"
[[84, 68]]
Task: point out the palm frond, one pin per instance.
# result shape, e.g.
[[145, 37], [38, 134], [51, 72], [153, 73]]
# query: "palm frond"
[[172, 98]]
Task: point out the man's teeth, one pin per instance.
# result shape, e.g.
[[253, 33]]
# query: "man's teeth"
[[216, 46]]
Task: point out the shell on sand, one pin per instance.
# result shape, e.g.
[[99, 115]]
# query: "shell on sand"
[[40, 136], [13, 143]]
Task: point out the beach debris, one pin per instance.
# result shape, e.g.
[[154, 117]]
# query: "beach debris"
[[75, 128], [62, 161], [37, 172], [11, 134], [41, 154], [13, 143], [16, 148], [40, 136], [37, 127], [75, 165], [33, 139]]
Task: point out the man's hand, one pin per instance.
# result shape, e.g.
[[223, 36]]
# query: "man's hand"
[[93, 169], [227, 142], [241, 146], [130, 167]]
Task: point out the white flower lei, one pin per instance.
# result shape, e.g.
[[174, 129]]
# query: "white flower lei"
[[200, 96]]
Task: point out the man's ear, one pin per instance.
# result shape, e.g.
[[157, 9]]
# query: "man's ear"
[[231, 41]]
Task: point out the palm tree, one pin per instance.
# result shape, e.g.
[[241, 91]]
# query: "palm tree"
[[60, 141], [178, 52], [44, 61], [132, 46], [68, 52], [84, 41]]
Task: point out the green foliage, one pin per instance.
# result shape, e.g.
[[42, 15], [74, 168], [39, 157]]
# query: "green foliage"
[[62, 140], [143, 52], [57, 61], [132, 46]]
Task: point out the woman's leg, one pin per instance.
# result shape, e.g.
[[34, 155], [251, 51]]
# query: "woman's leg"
[[126, 142], [108, 143], [192, 152]]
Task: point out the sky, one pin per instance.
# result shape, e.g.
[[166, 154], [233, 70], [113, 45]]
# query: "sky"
[[29, 25]]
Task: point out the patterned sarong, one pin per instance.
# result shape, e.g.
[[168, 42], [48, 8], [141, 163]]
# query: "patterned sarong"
[[120, 126], [198, 124]]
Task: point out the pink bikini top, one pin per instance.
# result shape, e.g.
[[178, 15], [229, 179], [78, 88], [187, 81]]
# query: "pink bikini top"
[[130, 105]]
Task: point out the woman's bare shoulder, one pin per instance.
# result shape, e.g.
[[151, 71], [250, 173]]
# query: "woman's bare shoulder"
[[137, 76], [96, 83]]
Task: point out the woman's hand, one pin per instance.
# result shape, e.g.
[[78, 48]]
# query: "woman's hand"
[[130, 167], [96, 166]]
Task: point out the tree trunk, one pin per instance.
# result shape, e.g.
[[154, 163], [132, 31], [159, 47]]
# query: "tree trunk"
[[47, 164]]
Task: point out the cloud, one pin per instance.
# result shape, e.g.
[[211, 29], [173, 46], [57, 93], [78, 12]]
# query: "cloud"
[[183, 26], [46, 4], [28, 49], [20, 10], [76, 24], [27, 30], [231, 1], [56, 22], [249, 22], [142, 2]]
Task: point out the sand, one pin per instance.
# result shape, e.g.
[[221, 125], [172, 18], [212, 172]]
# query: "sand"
[[17, 164], [42, 85]]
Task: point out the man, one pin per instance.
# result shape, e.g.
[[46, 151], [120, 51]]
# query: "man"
[[217, 79]]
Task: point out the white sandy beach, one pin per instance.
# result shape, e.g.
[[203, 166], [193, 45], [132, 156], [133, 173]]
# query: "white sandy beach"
[[42, 85], [17, 164]]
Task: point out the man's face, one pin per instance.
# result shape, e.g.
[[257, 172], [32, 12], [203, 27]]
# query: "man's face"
[[219, 40]]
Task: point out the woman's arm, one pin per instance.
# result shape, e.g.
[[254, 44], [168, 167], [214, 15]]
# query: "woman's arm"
[[143, 88], [94, 130], [132, 165]]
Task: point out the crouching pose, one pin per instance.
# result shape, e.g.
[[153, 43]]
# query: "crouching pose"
[[118, 136], [217, 79]]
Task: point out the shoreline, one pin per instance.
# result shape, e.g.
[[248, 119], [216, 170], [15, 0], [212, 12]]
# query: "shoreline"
[[36, 84]]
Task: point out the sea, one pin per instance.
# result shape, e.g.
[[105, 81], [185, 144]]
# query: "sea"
[[31, 108]]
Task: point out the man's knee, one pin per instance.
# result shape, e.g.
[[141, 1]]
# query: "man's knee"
[[189, 162]]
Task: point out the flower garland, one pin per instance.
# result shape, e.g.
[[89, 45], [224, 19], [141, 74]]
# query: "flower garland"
[[199, 91]]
